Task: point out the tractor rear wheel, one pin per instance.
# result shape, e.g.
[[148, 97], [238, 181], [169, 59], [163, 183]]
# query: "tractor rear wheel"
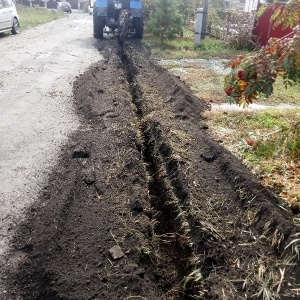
[[138, 25], [99, 24]]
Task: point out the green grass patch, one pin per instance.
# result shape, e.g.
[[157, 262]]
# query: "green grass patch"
[[281, 94], [184, 47], [290, 95], [237, 128], [34, 16], [257, 123], [270, 119]]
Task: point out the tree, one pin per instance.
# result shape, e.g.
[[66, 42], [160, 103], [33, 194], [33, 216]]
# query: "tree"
[[188, 8], [254, 74], [148, 7], [165, 20], [216, 15]]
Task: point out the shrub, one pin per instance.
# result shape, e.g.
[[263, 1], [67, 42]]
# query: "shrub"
[[238, 31]]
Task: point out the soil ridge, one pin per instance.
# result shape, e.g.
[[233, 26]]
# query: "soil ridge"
[[189, 219]]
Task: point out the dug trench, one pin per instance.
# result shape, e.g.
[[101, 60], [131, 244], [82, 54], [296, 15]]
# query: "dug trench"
[[143, 204]]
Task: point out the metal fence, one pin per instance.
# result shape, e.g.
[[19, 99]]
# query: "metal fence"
[[264, 28]]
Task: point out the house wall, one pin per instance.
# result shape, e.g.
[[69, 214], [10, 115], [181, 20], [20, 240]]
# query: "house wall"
[[264, 28], [250, 5]]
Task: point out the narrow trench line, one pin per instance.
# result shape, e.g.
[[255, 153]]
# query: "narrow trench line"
[[170, 217]]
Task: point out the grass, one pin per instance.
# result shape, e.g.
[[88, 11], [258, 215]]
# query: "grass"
[[34, 16], [282, 95], [184, 47], [233, 128]]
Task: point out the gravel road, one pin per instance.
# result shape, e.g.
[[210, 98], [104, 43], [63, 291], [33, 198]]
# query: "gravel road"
[[38, 67]]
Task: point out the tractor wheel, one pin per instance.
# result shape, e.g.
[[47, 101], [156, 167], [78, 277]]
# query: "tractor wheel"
[[99, 24], [138, 25]]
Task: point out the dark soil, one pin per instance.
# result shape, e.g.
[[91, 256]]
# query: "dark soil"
[[142, 175]]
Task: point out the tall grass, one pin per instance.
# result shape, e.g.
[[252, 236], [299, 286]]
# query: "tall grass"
[[34, 16]]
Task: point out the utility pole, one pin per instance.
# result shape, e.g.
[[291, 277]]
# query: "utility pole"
[[204, 20]]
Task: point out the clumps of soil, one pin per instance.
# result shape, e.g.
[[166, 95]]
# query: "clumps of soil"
[[144, 205]]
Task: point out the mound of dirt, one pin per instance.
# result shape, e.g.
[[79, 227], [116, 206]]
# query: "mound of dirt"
[[145, 205]]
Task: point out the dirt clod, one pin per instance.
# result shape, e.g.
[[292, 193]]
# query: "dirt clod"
[[295, 208], [80, 154], [137, 206]]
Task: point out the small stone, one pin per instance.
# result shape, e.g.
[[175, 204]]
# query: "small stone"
[[116, 252]]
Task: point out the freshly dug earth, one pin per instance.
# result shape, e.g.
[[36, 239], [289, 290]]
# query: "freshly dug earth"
[[145, 205]]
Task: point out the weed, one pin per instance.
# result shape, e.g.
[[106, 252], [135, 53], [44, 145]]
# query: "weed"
[[266, 280], [277, 239], [294, 247], [195, 277]]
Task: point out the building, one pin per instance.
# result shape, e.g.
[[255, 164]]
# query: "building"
[[251, 5]]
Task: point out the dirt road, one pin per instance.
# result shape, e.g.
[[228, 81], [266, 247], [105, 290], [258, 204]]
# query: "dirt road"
[[37, 71], [142, 204]]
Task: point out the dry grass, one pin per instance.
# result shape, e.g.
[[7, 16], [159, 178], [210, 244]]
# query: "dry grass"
[[233, 128]]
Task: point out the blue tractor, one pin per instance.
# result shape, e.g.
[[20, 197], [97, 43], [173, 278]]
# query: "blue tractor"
[[123, 18]]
